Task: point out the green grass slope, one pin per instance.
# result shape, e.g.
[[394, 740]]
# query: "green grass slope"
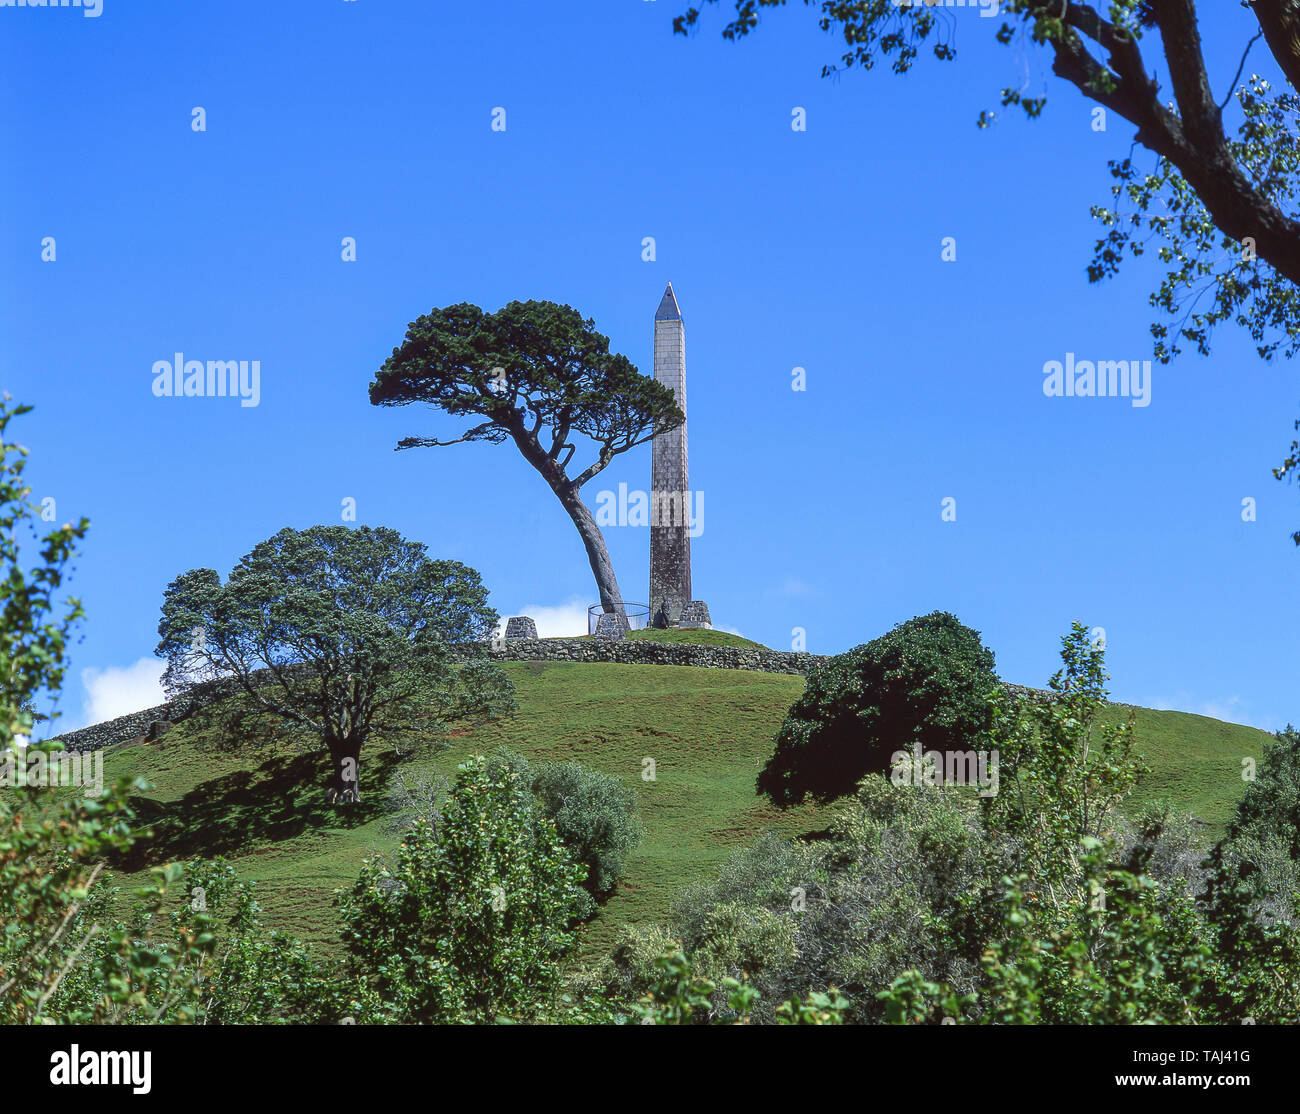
[[707, 731]]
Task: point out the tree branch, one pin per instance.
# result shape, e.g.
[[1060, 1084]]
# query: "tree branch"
[[1195, 143], [1202, 123], [478, 433], [1280, 22], [1240, 67]]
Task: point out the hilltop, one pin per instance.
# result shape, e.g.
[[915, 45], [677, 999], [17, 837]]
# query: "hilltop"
[[707, 730]]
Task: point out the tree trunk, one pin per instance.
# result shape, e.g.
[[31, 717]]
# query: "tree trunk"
[[611, 599], [345, 776]]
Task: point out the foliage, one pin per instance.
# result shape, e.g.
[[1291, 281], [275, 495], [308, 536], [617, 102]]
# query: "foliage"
[[1121, 951], [51, 849], [1253, 897], [256, 974], [678, 996], [1088, 940], [469, 919], [1062, 773], [336, 635], [1042, 905], [593, 814], [1211, 277], [540, 375], [1257, 976], [52, 843], [1267, 822], [1254, 894], [209, 802], [34, 626], [925, 683], [905, 877]]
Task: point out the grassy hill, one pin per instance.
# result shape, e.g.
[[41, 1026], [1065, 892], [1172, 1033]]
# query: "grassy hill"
[[708, 731]]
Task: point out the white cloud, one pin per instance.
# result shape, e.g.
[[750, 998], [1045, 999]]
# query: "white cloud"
[[793, 588], [118, 690], [564, 620]]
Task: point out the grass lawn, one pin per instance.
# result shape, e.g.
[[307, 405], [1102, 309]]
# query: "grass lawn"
[[707, 730]]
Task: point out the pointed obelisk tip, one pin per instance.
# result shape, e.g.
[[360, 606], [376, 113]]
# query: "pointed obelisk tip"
[[668, 310]]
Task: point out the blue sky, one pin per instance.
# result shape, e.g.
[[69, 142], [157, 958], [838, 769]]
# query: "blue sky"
[[818, 249]]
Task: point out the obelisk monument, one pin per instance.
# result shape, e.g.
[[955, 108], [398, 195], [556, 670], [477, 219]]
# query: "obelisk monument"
[[670, 542]]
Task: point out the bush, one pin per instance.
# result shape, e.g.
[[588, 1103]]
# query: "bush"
[[906, 879], [469, 921], [1271, 802], [593, 814], [926, 681], [1265, 832]]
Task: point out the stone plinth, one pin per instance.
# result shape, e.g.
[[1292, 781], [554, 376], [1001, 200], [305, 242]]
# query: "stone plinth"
[[521, 626], [695, 615], [611, 627]]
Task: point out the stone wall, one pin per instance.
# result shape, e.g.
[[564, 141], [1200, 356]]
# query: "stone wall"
[[641, 651], [116, 730]]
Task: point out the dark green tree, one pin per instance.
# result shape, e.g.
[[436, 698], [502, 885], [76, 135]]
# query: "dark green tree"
[[1270, 807], [539, 375], [337, 635], [1210, 188], [927, 681]]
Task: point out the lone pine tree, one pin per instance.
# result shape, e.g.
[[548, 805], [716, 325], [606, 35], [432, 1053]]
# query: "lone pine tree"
[[540, 375]]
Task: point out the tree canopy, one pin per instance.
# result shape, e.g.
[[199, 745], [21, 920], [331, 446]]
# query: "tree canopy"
[[540, 376], [925, 683], [337, 635]]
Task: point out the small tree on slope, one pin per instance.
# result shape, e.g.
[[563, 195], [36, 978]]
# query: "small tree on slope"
[[338, 635]]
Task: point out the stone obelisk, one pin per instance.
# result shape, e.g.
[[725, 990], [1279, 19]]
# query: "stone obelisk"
[[670, 543]]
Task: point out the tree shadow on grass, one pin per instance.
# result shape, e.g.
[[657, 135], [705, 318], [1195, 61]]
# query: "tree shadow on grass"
[[279, 799]]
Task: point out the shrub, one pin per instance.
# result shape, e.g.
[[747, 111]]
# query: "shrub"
[[906, 879], [926, 682], [595, 816], [1264, 835], [1065, 772], [1120, 950], [469, 920]]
